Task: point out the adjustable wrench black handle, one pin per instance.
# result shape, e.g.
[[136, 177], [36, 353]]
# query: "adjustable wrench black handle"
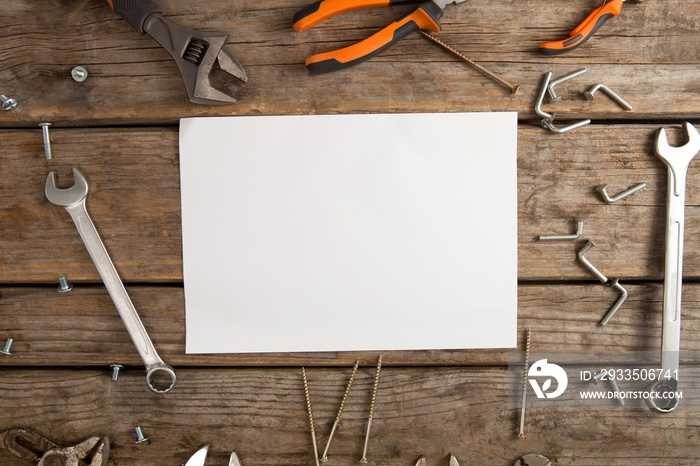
[[135, 12]]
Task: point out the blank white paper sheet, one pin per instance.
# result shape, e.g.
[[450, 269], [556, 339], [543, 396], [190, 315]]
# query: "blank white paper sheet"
[[349, 232]]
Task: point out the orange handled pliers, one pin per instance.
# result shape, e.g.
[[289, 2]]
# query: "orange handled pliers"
[[426, 16], [585, 30]]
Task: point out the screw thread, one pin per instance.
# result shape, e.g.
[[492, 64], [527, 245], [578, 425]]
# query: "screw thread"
[[521, 431], [324, 458], [310, 412], [513, 89], [371, 408]]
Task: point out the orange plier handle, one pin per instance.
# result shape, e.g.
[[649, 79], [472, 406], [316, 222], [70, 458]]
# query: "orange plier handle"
[[426, 16], [585, 30]]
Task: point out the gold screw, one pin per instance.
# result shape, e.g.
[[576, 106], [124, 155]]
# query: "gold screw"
[[521, 431], [311, 416], [371, 408], [324, 458], [491, 74]]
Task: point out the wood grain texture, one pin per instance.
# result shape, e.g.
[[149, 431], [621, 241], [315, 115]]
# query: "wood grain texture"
[[120, 128], [134, 200], [83, 328], [649, 50], [261, 415]]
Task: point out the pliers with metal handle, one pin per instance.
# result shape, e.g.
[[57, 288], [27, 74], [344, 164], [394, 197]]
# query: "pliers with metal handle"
[[35, 448], [426, 16], [195, 52], [585, 30]]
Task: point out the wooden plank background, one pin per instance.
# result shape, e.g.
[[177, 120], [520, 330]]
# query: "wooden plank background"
[[120, 127]]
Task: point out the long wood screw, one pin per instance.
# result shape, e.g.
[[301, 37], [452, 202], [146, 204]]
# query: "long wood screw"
[[371, 408], [491, 74], [324, 458], [521, 430], [311, 416], [47, 141]]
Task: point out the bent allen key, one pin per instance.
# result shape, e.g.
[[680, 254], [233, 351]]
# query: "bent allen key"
[[663, 396], [195, 52], [73, 200], [425, 17]]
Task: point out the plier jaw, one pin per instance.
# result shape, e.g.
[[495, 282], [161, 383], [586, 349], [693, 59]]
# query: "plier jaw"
[[35, 448]]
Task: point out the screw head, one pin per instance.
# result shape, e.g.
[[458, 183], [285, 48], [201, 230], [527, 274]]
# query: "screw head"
[[79, 74], [9, 104], [64, 285]]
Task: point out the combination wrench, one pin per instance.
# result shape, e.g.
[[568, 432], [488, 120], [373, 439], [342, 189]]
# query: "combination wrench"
[[73, 200], [677, 159]]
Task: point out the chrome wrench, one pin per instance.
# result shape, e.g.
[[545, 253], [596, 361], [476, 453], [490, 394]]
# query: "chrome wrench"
[[677, 160], [73, 200]]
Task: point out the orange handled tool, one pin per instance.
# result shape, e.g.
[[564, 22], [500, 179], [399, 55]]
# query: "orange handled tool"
[[585, 30], [425, 17]]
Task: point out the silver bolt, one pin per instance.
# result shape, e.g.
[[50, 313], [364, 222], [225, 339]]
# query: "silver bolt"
[[47, 141], [115, 371], [553, 97], [79, 74], [139, 436], [7, 103], [590, 95], [8, 346], [64, 286]]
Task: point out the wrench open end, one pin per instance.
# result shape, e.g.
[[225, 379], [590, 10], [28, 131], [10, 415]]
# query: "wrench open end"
[[68, 196]]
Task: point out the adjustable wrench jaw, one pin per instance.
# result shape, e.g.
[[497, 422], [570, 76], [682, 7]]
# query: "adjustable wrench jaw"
[[196, 55]]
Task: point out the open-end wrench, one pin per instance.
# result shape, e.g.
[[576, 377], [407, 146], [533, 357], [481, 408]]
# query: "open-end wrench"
[[677, 160], [73, 200]]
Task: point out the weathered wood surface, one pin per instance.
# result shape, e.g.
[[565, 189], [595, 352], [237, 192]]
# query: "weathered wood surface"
[[134, 201], [83, 328], [649, 54], [261, 415], [120, 128]]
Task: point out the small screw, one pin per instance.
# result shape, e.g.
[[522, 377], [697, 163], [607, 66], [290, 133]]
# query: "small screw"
[[8, 346], [79, 74], [47, 141], [7, 103], [139, 436], [64, 286], [590, 95], [115, 371]]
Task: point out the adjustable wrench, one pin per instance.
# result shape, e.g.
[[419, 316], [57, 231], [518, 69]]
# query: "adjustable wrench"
[[677, 160], [73, 200]]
